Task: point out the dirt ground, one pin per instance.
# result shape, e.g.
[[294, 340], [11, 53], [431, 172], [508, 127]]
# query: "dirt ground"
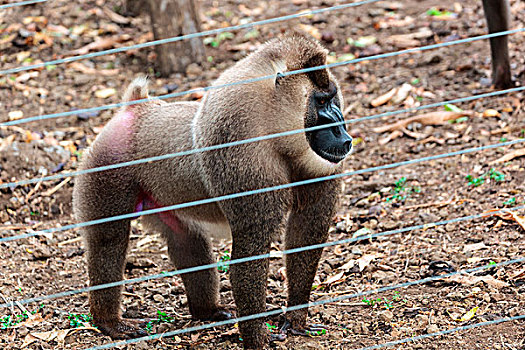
[[372, 202]]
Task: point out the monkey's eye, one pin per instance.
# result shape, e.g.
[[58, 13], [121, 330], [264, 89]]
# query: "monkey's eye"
[[322, 101]]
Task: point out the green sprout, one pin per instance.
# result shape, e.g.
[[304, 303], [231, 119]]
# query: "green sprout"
[[401, 191], [271, 327], [216, 41], [511, 202], [384, 302], [12, 320], [316, 333], [493, 174], [436, 12], [222, 260], [80, 320], [162, 317]]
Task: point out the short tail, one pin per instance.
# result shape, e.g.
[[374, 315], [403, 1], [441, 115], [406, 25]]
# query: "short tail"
[[137, 90]]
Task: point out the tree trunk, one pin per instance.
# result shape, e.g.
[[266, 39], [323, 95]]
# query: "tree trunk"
[[171, 18]]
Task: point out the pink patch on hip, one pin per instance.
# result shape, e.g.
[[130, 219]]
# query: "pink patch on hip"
[[146, 202]]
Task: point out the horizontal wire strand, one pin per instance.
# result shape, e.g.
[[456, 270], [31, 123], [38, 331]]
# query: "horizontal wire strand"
[[302, 306], [21, 3], [444, 332], [254, 257], [185, 37], [254, 80], [253, 139], [253, 192]]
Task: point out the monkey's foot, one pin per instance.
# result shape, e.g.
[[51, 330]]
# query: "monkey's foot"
[[123, 328], [219, 314], [312, 330]]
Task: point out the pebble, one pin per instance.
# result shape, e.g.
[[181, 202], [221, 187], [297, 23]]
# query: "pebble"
[[356, 250], [386, 316], [193, 70], [158, 298], [432, 329]]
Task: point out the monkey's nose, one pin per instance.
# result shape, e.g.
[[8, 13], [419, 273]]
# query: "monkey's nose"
[[347, 146]]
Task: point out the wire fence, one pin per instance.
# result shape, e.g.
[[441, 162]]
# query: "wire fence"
[[261, 190], [254, 80], [254, 139], [312, 304], [253, 192], [186, 37], [253, 258], [21, 3]]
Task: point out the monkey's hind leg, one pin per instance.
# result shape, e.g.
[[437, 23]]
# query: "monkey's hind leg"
[[189, 245], [98, 197], [308, 224]]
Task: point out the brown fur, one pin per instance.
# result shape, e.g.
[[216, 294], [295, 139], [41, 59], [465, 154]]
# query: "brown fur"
[[226, 114]]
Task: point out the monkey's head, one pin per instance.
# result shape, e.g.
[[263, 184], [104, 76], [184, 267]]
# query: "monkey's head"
[[287, 102], [312, 99]]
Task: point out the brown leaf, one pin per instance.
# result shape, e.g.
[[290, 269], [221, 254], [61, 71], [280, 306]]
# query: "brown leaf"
[[508, 215], [510, 156], [432, 118], [471, 280], [378, 101], [101, 44], [85, 69], [393, 135], [115, 17]]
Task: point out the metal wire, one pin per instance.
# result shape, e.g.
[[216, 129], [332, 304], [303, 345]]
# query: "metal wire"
[[448, 331], [185, 37], [253, 192], [253, 258], [253, 80], [302, 306], [21, 3], [250, 140]]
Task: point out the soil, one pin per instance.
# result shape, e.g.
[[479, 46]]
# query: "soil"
[[372, 202]]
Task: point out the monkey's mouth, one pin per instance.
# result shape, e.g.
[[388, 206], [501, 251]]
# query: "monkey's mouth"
[[333, 155]]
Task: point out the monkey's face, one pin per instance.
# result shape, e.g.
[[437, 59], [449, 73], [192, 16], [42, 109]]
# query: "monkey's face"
[[332, 143]]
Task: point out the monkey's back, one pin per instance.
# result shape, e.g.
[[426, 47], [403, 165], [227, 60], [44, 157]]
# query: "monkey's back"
[[167, 128]]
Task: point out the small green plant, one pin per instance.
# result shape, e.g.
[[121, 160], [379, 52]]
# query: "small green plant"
[[12, 320], [384, 302], [162, 317], [436, 12], [216, 41], [492, 174], [271, 327], [316, 333], [511, 202], [401, 191], [80, 320], [224, 257]]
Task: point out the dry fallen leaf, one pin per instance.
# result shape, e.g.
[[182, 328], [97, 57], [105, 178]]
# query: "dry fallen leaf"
[[85, 69], [507, 215], [393, 135], [105, 93], [491, 113], [100, 44], [471, 280], [510, 156], [467, 316], [432, 118], [378, 101]]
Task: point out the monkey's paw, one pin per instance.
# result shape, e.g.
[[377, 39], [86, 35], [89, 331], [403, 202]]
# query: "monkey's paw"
[[218, 314], [312, 330], [123, 329]]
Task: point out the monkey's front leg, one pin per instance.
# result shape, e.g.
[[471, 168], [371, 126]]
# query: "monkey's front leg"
[[255, 221], [308, 225]]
